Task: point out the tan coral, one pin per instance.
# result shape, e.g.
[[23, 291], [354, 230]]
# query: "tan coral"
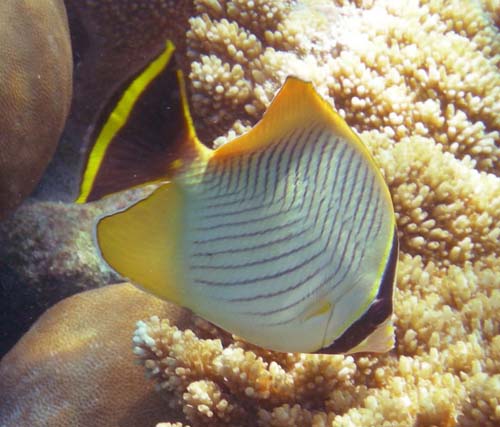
[[448, 330], [445, 354], [411, 73], [217, 385], [447, 211], [233, 46]]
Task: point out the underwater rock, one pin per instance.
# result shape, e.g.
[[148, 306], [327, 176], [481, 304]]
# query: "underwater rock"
[[46, 254], [35, 89], [75, 367]]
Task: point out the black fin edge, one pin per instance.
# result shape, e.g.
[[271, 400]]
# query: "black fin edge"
[[379, 311]]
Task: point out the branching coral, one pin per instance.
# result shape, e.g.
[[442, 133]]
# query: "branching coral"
[[448, 212], [236, 49], [216, 384], [420, 82]]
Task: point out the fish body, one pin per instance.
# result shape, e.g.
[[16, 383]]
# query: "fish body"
[[285, 236]]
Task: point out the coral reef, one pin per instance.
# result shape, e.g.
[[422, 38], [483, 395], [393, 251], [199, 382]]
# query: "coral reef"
[[75, 366], [240, 53], [35, 89], [445, 370], [420, 82]]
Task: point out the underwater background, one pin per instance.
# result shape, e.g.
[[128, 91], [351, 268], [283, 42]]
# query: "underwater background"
[[420, 83]]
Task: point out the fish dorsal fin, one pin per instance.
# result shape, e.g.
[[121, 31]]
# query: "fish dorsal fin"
[[296, 105], [143, 243], [144, 134]]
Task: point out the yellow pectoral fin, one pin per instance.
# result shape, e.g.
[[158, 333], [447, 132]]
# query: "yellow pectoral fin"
[[144, 242]]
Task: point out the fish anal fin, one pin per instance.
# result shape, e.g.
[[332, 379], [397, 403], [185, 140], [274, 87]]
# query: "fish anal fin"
[[144, 242], [142, 133], [297, 105]]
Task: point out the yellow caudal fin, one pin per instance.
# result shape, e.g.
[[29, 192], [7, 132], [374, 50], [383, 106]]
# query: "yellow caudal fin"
[[144, 136], [144, 242], [380, 340], [296, 105]]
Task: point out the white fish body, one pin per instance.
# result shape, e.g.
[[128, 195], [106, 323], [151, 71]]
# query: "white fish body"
[[285, 236]]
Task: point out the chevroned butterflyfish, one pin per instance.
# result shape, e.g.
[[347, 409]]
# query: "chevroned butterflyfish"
[[285, 236]]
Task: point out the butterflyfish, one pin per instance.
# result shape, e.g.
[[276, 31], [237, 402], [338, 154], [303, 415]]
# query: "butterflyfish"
[[284, 236]]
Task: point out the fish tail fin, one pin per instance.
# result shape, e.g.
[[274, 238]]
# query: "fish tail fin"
[[381, 340], [145, 135]]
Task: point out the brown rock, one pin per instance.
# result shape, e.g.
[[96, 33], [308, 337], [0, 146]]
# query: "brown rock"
[[75, 367], [35, 92]]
